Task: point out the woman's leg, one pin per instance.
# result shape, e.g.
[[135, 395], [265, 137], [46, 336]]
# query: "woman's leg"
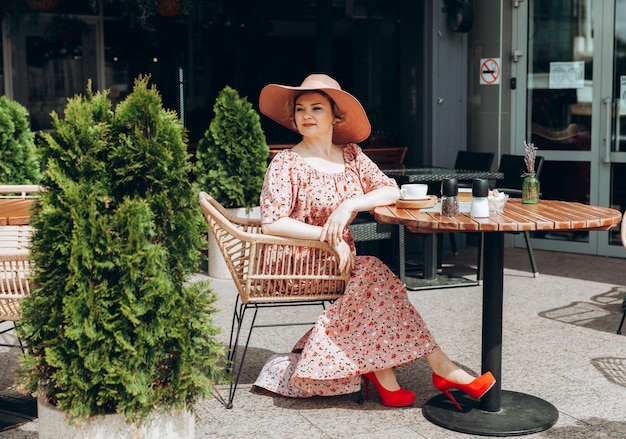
[[445, 368], [438, 362], [387, 378]]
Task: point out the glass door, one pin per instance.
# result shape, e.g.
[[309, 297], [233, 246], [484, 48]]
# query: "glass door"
[[613, 157], [571, 111]]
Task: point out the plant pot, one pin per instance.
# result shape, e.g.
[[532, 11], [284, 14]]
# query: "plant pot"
[[217, 264], [53, 423]]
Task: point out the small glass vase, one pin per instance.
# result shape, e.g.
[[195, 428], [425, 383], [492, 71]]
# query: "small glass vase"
[[530, 189]]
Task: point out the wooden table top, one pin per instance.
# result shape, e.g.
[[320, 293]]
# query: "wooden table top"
[[547, 215], [15, 211]]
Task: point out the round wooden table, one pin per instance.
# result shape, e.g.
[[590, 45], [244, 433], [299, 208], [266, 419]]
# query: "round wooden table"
[[499, 413], [433, 175]]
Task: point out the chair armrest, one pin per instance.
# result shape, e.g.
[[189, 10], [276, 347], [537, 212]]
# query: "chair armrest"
[[273, 268], [20, 190]]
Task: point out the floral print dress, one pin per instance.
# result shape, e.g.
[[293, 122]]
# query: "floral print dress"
[[373, 326]]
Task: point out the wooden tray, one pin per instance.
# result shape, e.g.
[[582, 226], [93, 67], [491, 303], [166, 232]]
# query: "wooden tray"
[[417, 204]]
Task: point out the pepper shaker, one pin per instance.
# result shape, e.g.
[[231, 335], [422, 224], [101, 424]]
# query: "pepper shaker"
[[480, 200], [449, 201]]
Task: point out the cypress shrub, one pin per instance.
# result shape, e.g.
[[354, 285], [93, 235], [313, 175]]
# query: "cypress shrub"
[[112, 325], [18, 162], [231, 158]]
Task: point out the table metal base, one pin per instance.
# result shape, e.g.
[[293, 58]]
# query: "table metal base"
[[520, 414], [439, 281]]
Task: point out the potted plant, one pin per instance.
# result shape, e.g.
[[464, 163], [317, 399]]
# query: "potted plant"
[[18, 162], [231, 161], [113, 328], [530, 182]]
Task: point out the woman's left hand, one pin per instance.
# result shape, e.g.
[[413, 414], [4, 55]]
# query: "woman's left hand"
[[336, 224], [346, 257]]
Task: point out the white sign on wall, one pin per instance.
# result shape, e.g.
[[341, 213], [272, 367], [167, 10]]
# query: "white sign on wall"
[[490, 71], [568, 74]]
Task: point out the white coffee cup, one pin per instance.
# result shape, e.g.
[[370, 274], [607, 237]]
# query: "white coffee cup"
[[413, 191]]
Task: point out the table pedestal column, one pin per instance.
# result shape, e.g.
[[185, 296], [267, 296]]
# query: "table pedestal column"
[[498, 413]]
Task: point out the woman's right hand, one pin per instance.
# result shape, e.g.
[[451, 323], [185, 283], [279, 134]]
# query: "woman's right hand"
[[346, 257]]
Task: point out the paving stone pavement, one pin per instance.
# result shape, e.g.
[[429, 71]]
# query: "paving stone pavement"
[[559, 344]]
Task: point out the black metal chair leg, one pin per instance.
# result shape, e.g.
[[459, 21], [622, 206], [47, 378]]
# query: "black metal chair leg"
[[236, 371], [529, 248], [19, 340], [619, 330], [359, 397]]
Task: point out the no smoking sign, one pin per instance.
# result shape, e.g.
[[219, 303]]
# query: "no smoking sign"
[[490, 71]]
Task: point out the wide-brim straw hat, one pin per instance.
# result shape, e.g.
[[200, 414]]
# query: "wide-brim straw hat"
[[276, 102]]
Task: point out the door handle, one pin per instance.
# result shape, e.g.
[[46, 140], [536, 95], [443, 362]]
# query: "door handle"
[[606, 156]]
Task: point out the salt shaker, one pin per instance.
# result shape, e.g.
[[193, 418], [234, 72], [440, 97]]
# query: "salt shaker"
[[480, 200], [449, 201]]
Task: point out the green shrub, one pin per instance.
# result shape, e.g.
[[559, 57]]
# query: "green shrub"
[[231, 159], [18, 162], [112, 325]]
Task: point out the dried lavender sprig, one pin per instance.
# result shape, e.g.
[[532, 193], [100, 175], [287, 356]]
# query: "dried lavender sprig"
[[530, 152]]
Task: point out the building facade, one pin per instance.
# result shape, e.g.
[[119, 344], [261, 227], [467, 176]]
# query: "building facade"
[[438, 76]]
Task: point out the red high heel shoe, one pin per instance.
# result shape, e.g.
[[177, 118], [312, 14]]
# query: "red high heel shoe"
[[476, 389], [395, 398]]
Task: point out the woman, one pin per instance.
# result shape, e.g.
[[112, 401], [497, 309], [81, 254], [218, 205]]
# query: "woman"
[[314, 191]]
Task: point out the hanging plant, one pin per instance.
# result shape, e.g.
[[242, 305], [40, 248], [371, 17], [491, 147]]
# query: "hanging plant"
[[143, 13], [169, 8], [42, 5]]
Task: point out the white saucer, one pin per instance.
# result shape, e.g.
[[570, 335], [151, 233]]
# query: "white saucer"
[[416, 199]]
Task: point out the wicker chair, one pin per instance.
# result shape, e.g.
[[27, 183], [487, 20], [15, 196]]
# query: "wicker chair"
[[14, 275], [15, 261], [269, 271]]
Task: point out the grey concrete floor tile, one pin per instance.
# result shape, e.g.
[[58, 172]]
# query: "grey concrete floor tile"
[[559, 344], [391, 433]]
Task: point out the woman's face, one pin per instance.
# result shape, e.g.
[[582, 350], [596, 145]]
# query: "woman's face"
[[313, 114]]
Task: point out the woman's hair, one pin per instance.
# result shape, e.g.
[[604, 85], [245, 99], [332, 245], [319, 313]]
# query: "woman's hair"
[[292, 108]]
